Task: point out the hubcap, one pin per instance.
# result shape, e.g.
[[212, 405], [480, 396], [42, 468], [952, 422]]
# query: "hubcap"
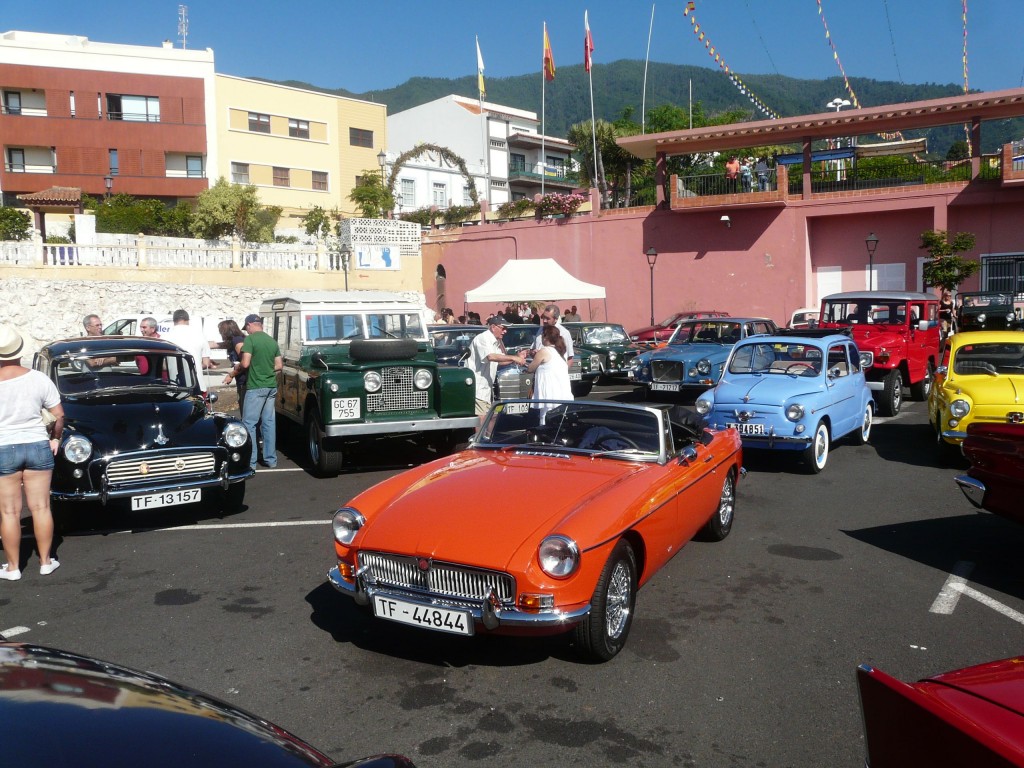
[[725, 506], [866, 429], [617, 609], [821, 446]]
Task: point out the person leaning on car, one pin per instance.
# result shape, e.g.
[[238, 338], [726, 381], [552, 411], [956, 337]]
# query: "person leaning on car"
[[485, 352], [261, 359]]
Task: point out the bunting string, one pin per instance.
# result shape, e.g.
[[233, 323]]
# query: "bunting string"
[[967, 130], [742, 87]]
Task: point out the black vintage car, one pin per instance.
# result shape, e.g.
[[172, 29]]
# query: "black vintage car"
[[139, 427], [610, 340], [451, 347], [586, 367], [986, 311], [75, 711]]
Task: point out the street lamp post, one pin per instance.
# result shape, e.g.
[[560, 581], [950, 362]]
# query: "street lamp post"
[[108, 182], [871, 242], [382, 161], [652, 257], [346, 260]]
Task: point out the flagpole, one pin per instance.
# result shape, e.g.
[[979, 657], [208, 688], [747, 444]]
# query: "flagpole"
[[587, 43], [643, 100], [483, 122], [543, 128]]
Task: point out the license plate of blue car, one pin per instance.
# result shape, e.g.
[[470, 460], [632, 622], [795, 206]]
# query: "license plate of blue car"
[[426, 617], [660, 387], [166, 499], [748, 429]]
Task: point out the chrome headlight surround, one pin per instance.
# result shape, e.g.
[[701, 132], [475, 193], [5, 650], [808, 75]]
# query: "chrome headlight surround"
[[423, 378], [372, 381], [235, 435], [703, 366], [795, 411], [982, 317], [77, 449], [346, 524], [959, 408], [559, 557], [703, 406]]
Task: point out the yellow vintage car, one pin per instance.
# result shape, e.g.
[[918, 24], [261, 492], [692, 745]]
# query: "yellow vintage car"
[[980, 379]]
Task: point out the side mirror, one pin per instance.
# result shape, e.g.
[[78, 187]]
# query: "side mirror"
[[688, 454], [924, 325], [942, 370]]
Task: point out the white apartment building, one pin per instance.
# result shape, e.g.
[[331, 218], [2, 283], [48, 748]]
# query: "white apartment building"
[[504, 154]]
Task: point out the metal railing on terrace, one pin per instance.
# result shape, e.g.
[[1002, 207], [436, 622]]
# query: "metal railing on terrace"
[[1017, 151], [706, 184], [841, 175]]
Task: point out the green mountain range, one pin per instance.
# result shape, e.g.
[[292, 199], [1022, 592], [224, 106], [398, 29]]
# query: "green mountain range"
[[618, 86]]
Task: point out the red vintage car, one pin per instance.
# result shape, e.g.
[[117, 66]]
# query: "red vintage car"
[[551, 520], [970, 717], [995, 481], [655, 335]]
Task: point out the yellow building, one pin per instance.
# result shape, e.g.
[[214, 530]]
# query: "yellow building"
[[299, 148]]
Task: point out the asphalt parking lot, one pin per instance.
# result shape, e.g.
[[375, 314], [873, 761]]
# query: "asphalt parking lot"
[[742, 653]]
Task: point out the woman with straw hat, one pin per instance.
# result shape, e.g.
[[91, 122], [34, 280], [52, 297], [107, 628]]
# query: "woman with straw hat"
[[26, 454]]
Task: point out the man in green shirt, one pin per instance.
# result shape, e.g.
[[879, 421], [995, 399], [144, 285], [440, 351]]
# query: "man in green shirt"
[[262, 358]]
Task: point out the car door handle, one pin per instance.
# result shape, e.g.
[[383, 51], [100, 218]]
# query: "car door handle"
[[708, 458]]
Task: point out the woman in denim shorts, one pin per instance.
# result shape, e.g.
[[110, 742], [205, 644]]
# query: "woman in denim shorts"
[[26, 454]]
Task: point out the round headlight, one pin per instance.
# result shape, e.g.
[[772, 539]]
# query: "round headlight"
[[423, 378], [981, 318], [794, 412], [235, 435], [703, 406], [77, 449], [1010, 317], [959, 408], [346, 524], [613, 356], [558, 556], [704, 366], [372, 382]]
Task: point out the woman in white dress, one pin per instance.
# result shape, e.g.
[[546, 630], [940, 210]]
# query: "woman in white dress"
[[550, 370]]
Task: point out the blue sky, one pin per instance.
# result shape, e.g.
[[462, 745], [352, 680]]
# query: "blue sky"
[[366, 46]]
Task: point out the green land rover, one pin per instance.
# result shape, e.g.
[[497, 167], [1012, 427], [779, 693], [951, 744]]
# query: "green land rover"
[[359, 365]]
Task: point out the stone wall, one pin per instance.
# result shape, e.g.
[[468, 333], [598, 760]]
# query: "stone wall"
[[44, 310]]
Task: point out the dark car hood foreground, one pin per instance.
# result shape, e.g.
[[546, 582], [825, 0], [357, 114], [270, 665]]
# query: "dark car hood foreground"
[[133, 422], [68, 711]]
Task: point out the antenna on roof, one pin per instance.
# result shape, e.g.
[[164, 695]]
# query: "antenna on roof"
[[183, 25]]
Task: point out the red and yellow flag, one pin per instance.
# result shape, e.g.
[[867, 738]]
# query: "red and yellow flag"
[[588, 44], [549, 58]]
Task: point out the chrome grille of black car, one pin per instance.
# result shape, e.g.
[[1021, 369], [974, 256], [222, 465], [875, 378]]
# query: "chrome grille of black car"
[[575, 366], [666, 370], [134, 470], [442, 579], [397, 392]]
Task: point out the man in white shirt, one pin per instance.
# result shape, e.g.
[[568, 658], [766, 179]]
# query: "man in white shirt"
[[549, 316], [191, 339], [485, 353]]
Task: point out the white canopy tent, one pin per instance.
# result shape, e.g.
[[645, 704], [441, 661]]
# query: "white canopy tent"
[[533, 280]]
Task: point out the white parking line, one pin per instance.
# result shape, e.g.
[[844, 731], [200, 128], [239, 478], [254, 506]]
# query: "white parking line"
[[222, 526], [7, 634], [950, 593]]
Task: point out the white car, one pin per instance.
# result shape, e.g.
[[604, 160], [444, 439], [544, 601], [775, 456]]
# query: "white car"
[[805, 317]]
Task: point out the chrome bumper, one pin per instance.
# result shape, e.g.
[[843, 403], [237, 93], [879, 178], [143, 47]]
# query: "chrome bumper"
[[394, 427], [973, 489], [104, 495], [487, 614]]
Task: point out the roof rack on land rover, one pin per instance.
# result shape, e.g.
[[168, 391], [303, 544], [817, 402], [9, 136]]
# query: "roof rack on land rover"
[[814, 333]]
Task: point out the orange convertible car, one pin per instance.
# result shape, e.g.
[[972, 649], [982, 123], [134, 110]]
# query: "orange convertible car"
[[613, 490]]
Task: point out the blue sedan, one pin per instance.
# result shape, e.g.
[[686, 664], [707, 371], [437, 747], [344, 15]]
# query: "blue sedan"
[[695, 354], [793, 391]]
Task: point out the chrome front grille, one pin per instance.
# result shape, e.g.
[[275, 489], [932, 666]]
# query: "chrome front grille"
[[397, 392], [135, 470], [666, 370], [447, 580], [575, 366]]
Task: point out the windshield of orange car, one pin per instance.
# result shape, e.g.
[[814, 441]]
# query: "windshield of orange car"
[[792, 359], [988, 359], [577, 427], [97, 373]]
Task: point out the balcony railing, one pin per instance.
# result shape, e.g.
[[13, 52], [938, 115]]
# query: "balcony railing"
[[841, 175], [536, 172], [706, 184], [29, 168]]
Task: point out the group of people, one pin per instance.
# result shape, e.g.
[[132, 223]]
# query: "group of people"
[[511, 314], [740, 174], [552, 352]]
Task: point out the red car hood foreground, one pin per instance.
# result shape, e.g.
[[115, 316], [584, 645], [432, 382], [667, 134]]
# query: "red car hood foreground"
[[480, 507], [970, 717]]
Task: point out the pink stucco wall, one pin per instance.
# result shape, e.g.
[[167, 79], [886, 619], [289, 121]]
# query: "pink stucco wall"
[[765, 264]]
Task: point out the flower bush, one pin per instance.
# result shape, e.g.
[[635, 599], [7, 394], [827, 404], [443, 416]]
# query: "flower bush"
[[515, 208], [556, 203]]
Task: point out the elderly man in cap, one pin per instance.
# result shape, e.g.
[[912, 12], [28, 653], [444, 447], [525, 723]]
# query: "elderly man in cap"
[[485, 353], [261, 357]]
